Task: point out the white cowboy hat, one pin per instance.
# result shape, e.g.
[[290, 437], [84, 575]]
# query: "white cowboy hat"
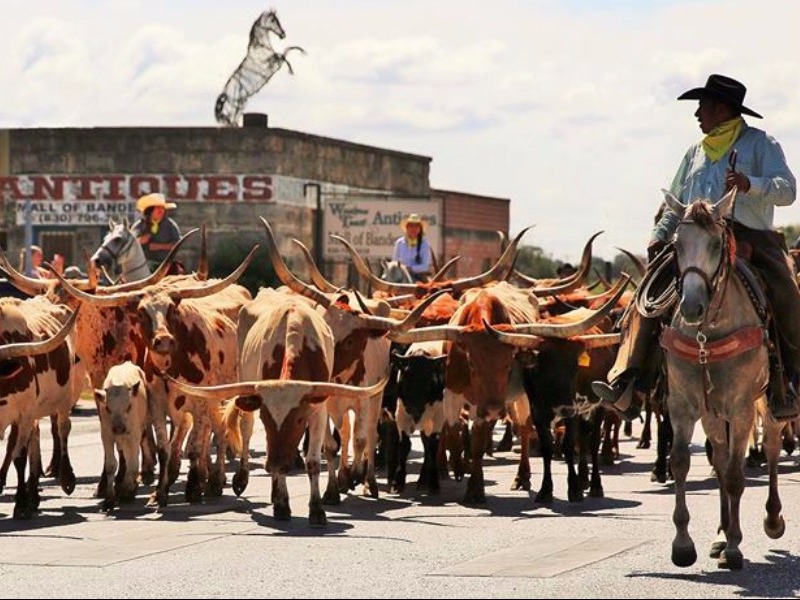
[[155, 199], [413, 218]]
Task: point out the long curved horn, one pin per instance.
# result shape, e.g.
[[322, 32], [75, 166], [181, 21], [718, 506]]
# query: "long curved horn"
[[434, 260], [102, 300], [443, 271], [314, 389], [518, 340], [565, 330], [29, 285], [288, 278], [392, 325], [91, 270], [640, 267], [448, 333], [317, 278], [599, 340], [602, 279], [156, 275], [208, 290], [498, 272], [202, 262], [362, 268], [567, 284], [16, 350]]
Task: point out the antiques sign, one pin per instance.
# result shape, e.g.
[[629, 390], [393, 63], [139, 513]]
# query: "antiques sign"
[[372, 225]]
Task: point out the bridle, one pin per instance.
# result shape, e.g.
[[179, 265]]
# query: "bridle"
[[121, 251], [719, 279]]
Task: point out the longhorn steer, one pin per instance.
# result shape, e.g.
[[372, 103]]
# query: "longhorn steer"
[[283, 339], [38, 378]]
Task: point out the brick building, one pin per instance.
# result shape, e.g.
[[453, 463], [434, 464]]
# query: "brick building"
[[72, 180]]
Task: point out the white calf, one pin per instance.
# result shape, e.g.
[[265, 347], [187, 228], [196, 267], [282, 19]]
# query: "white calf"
[[123, 418]]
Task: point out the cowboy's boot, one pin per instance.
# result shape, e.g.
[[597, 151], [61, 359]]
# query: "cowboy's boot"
[[618, 395]]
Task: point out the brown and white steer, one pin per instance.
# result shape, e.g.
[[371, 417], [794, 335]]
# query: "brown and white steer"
[[286, 356], [38, 378], [188, 334], [123, 399], [361, 358], [478, 365]]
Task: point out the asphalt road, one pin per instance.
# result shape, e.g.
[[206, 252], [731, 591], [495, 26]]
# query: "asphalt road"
[[397, 546]]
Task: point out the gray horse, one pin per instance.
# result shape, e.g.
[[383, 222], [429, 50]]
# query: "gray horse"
[[717, 367]]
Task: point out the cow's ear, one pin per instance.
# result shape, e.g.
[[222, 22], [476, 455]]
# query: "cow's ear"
[[136, 388], [100, 396]]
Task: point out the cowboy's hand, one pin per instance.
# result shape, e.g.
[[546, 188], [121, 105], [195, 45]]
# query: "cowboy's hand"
[[653, 249], [736, 179]]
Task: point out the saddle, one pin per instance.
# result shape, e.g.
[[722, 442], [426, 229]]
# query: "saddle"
[[657, 297]]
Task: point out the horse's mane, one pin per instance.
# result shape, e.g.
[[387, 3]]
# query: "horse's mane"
[[701, 213]]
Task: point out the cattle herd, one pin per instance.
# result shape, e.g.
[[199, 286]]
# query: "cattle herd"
[[180, 364]]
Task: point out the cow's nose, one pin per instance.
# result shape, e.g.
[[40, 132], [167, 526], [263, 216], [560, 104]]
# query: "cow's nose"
[[163, 344]]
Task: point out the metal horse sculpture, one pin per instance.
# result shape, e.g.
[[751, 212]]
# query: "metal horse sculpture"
[[255, 70], [717, 368]]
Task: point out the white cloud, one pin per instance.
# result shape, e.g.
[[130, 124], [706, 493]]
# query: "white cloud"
[[567, 108]]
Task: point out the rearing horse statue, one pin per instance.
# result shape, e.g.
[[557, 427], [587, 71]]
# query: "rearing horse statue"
[[718, 369]]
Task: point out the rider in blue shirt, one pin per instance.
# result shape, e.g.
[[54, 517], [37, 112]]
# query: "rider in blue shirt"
[[412, 249], [732, 154]]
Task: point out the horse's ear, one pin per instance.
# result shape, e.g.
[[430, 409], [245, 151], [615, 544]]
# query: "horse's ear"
[[723, 207], [673, 203], [111, 223], [126, 222]]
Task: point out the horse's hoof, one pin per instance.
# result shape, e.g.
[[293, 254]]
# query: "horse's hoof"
[[731, 559], [544, 497], [684, 557], [107, 506], [596, 492], [775, 532], [716, 549], [475, 497]]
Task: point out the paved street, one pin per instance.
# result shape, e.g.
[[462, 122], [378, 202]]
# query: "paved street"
[[397, 546]]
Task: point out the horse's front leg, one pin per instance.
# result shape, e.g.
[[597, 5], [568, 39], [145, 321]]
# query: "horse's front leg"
[[717, 435], [774, 525], [731, 557], [683, 550]]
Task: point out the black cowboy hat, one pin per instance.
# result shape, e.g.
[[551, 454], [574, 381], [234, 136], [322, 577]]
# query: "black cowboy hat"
[[724, 89]]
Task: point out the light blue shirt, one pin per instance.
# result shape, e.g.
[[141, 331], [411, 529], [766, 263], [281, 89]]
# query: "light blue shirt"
[[759, 157], [408, 255]]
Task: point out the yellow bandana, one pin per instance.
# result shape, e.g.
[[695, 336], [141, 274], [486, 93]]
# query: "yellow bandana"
[[717, 143], [154, 227], [411, 243]]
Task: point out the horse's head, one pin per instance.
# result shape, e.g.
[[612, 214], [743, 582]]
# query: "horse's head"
[[268, 21], [704, 251], [117, 243], [395, 272]]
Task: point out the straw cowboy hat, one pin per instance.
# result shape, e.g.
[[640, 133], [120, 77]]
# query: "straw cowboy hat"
[[413, 218], [724, 89], [155, 199]]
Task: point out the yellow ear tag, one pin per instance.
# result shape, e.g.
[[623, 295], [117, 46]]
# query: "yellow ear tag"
[[584, 360]]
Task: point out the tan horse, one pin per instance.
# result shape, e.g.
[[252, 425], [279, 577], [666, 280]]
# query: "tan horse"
[[717, 368]]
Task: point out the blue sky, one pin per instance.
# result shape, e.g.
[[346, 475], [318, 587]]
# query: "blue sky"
[[566, 107]]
